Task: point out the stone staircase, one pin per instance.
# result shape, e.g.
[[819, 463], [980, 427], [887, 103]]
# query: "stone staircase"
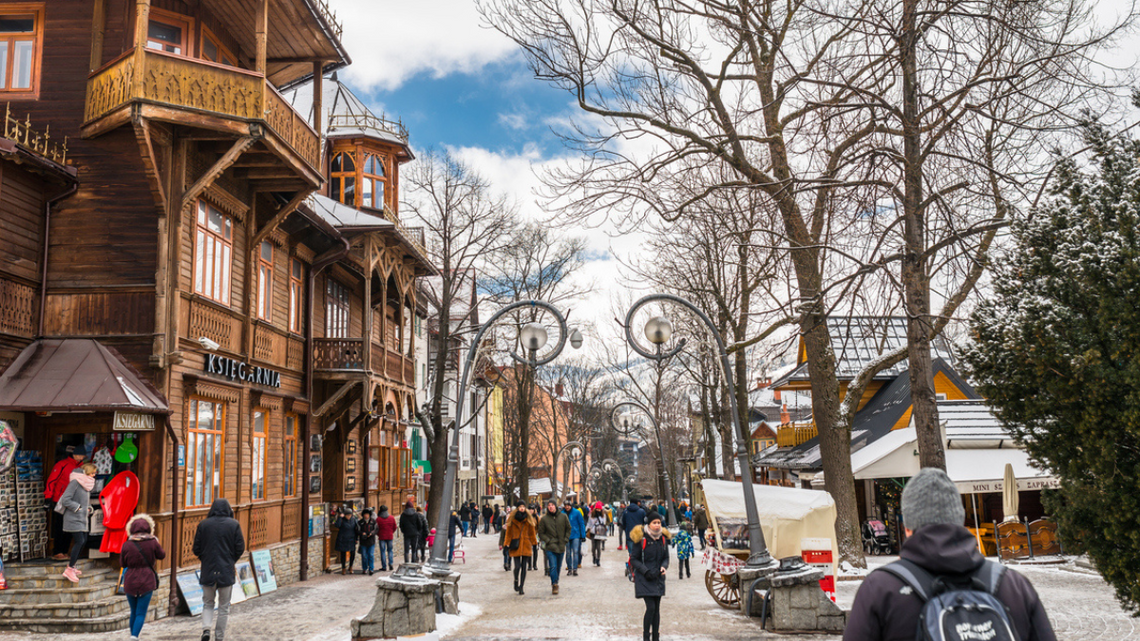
[[39, 599]]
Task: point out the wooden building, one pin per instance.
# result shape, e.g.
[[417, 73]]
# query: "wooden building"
[[194, 259]]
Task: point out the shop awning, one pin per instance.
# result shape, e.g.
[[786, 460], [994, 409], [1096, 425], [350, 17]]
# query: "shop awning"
[[76, 375], [973, 470]]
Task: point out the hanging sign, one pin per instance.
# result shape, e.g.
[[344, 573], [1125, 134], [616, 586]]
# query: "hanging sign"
[[133, 422], [237, 371]]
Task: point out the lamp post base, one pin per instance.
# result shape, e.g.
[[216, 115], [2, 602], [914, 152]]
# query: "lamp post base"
[[448, 586], [761, 564]]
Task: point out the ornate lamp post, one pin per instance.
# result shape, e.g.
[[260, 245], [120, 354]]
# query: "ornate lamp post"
[[533, 337], [658, 330], [628, 428], [573, 452]]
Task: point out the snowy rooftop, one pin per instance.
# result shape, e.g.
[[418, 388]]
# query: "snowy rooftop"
[[859, 340]]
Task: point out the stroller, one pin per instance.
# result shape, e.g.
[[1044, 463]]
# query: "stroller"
[[876, 539]]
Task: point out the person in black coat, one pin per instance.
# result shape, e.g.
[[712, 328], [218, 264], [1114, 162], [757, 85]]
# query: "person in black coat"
[[410, 530], [649, 557], [886, 609], [487, 514], [346, 523], [218, 544]]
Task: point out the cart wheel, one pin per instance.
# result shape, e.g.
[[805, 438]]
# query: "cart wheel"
[[724, 588]]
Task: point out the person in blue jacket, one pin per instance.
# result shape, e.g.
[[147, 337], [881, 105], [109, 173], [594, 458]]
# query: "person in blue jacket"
[[633, 516], [577, 534]]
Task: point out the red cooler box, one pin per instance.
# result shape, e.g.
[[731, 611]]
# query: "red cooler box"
[[817, 553]]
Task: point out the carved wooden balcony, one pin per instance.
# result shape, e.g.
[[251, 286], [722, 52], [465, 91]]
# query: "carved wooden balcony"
[[338, 354], [198, 93]]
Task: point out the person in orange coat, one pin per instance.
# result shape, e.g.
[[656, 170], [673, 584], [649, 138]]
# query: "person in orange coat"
[[56, 484], [520, 537]]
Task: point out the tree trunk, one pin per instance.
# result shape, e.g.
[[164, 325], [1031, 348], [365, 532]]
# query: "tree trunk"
[[916, 283]]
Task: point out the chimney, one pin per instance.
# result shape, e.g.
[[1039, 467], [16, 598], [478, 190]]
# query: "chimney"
[[785, 418], [776, 396], [558, 389]]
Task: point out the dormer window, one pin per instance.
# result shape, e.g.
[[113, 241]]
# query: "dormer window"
[[343, 183]]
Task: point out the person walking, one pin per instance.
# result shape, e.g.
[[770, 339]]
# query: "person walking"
[[596, 531], [75, 508], [520, 536], [56, 485], [619, 514], [140, 579], [385, 535], [425, 529], [649, 557], [631, 518], [366, 531], [465, 517], [940, 552], [218, 544], [345, 544], [554, 533], [577, 535], [701, 523], [683, 541], [474, 531], [453, 530], [487, 514], [410, 530]]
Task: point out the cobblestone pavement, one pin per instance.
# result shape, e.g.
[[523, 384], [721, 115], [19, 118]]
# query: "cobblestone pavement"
[[597, 604]]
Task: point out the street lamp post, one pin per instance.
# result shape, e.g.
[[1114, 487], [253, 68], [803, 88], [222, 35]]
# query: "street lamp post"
[[623, 425], [658, 331], [533, 337]]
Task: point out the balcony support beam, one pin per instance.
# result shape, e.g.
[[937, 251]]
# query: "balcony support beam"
[[340, 393], [261, 31], [142, 30], [224, 163]]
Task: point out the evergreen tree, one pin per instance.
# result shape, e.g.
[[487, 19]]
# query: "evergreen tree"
[[1057, 351]]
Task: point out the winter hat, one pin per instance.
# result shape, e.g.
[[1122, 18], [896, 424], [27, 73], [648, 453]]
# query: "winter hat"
[[654, 516], [931, 498]]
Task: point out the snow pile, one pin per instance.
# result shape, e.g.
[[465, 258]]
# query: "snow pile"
[[445, 624]]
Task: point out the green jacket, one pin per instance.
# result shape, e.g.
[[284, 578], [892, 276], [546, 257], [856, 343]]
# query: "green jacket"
[[554, 531]]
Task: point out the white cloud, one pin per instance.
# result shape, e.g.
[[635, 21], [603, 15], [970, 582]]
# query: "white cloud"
[[392, 40], [515, 121]]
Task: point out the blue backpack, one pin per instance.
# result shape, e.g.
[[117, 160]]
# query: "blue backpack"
[[965, 609]]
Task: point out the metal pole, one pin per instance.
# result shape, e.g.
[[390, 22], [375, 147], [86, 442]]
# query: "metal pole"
[[758, 556], [438, 561]]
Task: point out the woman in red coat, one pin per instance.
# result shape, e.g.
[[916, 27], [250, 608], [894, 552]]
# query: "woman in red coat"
[[138, 557], [386, 533]]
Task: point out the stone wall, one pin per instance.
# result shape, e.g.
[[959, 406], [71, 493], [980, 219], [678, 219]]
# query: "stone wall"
[[805, 608], [286, 562], [316, 556]]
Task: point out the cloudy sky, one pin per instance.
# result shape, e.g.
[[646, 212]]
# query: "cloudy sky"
[[460, 86]]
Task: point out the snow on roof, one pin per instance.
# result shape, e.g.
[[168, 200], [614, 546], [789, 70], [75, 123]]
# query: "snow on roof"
[[344, 114], [342, 216], [859, 340]]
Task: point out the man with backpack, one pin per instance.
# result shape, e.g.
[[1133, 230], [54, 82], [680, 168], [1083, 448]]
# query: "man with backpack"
[[942, 587]]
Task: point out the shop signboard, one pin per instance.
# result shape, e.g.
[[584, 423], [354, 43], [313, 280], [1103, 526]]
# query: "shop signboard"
[[133, 422], [243, 372], [191, 592], [263, 570], [245, 580]]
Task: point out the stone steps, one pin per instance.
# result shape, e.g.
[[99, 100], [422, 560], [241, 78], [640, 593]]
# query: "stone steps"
[[65, 625], [98, 608], [57, 582], [49, 595], [46, 566]]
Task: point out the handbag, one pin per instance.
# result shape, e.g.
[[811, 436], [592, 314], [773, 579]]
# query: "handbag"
[[515, 544], [590, 533]]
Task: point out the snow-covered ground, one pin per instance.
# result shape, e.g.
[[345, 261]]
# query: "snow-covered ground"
[[598, 604]]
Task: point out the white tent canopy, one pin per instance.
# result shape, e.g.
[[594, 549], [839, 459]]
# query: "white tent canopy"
[[787, 515], [543, 486], [974, 471]]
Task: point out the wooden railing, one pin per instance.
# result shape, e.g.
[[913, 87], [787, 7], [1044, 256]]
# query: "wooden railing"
[[215, 324], [338, 353], [17, 309], [291, 521], [793, 434], [22, 133], [202, 86]]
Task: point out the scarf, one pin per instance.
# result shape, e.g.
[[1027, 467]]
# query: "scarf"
[[653, 536], [88, 482], [519, 516]]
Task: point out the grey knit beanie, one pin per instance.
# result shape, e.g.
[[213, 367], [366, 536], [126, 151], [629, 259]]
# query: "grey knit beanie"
[[931, 498]]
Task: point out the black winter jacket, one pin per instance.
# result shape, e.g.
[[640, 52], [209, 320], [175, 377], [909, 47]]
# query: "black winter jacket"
[[218, 544], [884, 611], [366, 530], [409, 524], [648, 556], [345, 533]]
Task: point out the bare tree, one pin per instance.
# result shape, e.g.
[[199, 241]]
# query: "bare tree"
[[466, 227], [536, 264], [800, 99]]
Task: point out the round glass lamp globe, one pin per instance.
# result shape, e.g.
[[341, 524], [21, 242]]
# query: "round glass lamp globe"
[[533, 336], [658, 330]]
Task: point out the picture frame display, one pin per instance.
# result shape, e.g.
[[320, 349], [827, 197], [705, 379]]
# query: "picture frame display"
[[352, 446], [314, 484], [314, 463], [263, 571], [350, 465], [350, 484]]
